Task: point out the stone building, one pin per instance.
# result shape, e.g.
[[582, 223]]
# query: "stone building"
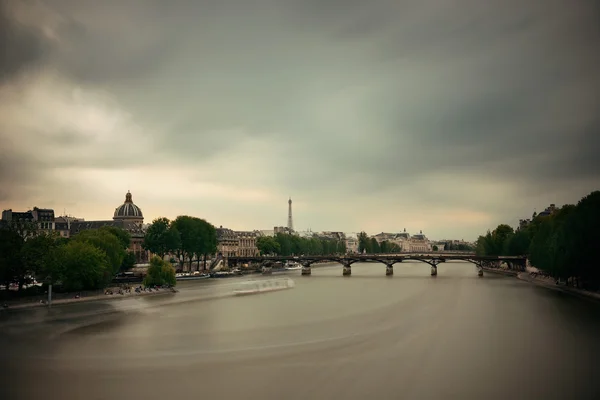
[[419, 243], [43, 217], [232, 243], [247, 243]]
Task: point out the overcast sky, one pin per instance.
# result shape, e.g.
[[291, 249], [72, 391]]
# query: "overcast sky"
[[443, 116]]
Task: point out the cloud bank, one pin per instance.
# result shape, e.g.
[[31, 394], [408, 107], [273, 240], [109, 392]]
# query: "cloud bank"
[[448, 118]]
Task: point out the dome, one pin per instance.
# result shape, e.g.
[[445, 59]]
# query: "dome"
[[128, 210]]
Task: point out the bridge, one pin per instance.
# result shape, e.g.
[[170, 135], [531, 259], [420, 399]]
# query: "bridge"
[[433, 259]]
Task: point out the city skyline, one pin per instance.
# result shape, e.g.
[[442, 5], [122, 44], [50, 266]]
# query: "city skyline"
[[387, 116], [129, 198]]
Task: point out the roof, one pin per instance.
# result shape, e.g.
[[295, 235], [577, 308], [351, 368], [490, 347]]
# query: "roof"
[[135, 230], [128, 209]]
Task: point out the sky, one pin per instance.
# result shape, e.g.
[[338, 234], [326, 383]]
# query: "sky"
[[448, 117]]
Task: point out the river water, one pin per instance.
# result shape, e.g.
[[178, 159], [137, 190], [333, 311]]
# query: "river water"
[[410, 336]]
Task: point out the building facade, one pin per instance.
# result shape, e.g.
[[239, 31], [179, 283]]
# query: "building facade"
[[42, 217], [419, 243], [232, 243]]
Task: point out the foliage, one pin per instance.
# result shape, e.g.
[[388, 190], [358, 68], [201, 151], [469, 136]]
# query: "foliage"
[[196, 237], [434, 248], [286, 245], [105, 241], [84, 266], [267, 245], [364, 243], [372, 246], [128, 261], [87, 261], [121, 234], [161, 237], [562, 244], [389, 247], [160, 273]]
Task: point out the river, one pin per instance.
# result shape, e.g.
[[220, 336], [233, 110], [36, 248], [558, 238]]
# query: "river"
[[410, 336]]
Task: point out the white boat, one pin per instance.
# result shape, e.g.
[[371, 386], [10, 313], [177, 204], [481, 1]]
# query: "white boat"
[[262, 286], [292, 266]]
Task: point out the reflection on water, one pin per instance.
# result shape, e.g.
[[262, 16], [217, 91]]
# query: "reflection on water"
[[396, 333]]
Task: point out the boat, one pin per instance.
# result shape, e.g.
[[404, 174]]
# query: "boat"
[[292, 266], [222, 274], [191, 277], [263, 286]]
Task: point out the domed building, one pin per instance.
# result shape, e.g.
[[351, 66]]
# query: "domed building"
[[129, 211], [127, 216]]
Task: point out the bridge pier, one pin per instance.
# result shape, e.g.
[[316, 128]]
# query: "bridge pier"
[[306, 269], [389, 269], [347, 271], [434, 270], [479, 270]]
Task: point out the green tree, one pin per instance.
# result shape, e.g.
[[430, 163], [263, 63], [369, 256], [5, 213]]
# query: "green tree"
[[121, 234], [128, 261], [364, 244], [517, 244], [499, 236], [374, 246], [579, 242], [206, 240], [161, 238], [434, 248], [109, 244], [36, 251], [188, 236], [83, 266], [13, 236], [160, 273], [268, 245]]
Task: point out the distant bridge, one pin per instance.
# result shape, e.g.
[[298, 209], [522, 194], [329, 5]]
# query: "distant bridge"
[[433, 259]]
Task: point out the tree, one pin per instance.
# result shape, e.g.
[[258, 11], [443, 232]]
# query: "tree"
[[188, 236], [160, 273], [161, 237], [11, 264], [109, 244], [517, 244], [35, 254], [434, 248], [374, 246], [121, 234], [207, 240], [499, 236], [579, 241], [128, 261], [13, 236], [364, 244], [268, 245], [84, 266]]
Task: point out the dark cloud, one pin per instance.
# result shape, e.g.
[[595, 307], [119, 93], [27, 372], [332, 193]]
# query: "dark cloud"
[[21, 48], [343, 98]]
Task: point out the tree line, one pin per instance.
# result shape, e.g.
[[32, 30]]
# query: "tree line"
[[187, 238], [372, 246], [284, 244], [89, 260], [562, 244]]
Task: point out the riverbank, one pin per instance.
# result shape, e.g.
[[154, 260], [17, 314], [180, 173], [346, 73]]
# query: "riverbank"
[[550, 283], [22, 304], [547, 282], [502, 271]]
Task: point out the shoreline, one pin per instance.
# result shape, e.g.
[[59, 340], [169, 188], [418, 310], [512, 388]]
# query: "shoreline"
[[524, 276], [84, 299]]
